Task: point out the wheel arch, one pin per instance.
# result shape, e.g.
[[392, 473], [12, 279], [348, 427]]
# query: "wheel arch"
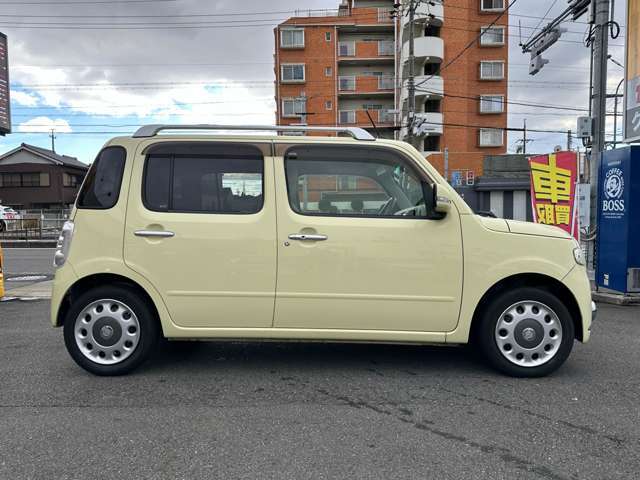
[[552, 285], [98, 280]]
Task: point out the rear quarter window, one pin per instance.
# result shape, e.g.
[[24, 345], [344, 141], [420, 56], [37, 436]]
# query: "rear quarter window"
[[101, 188]]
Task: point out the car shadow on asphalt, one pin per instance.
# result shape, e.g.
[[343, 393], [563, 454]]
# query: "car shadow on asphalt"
[[186, 356]]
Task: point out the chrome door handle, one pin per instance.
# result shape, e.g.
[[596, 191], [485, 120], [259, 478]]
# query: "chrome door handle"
[[307, 237], [154, 233]]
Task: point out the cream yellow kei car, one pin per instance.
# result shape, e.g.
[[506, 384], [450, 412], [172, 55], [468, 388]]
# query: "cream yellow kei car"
[[189, 235]]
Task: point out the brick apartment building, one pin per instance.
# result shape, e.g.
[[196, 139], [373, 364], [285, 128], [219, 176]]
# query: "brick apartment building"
[[350, 67]]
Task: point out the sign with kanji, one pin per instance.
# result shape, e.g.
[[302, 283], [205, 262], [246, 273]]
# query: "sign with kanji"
[[553, 190], [5, 112]]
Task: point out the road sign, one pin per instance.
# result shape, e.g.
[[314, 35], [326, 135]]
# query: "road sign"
[[632, 76], [5, 109]]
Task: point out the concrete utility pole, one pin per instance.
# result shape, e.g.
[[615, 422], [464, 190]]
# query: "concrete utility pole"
[[569, 141], [598, 100], [412, 73], [524, 137]]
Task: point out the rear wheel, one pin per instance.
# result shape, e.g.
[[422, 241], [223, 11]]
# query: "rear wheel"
[[526, 332], [110, 330]]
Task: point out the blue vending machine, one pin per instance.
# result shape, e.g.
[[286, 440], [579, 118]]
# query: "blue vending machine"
[[618, 239]]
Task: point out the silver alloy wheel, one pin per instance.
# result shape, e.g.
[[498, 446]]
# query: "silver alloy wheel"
[[528, 333], [107, 331]]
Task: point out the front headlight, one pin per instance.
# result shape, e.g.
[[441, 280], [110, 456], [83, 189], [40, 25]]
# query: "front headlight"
[[578, 255], [64, 244]]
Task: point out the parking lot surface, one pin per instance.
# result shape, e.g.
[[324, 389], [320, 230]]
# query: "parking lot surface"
[[299, 410]]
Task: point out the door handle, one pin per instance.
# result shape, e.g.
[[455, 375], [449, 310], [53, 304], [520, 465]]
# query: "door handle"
[[154, 233], [307, 237]]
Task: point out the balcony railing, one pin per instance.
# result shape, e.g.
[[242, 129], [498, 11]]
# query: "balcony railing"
[[365, 83], [360, 117]]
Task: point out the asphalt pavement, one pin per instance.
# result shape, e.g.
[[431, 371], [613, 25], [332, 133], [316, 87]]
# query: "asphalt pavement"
[[299, 410], [26, 266]]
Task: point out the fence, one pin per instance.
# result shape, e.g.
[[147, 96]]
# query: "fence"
[[35, 225]]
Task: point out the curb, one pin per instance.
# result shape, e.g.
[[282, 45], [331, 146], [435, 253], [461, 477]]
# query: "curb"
[[615, 298]]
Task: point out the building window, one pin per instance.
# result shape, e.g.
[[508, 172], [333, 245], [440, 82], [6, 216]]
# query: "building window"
[[32, 179], [70, 180], [327, 36], [346, 116], [371, 106], [293, 72], [491, 103], [328, 72], [492, 70], [328, 105], [292, 38], [385, 48], [347, 49], [492, 36], [491, 137], [432, 143], [491, 5], [293, 107]]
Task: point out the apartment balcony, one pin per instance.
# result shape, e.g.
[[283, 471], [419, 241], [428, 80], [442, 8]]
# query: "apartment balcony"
[[426, 12], [372, 85], [427, 87], [378, 18], [425, 48], [382, 118], [381, 51]]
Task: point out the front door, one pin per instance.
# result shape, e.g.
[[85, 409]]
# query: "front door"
[[358, 245], [201, 228]]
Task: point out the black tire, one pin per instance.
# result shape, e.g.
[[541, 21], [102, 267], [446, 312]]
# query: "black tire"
[[148, 324], [486, 336]]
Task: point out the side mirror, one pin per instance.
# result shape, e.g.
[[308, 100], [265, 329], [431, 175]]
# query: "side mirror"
[[441, 202]]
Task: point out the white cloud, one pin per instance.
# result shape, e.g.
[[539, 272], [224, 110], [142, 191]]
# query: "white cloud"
[[24, 98], [44, 124]]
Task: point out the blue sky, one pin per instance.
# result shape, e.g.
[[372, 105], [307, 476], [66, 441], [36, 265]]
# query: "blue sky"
[[89, 79]]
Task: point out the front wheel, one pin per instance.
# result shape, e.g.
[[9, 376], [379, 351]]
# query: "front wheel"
[[526, 332], [110, 330]]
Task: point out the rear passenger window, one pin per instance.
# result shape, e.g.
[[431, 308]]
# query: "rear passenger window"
[[200, 180], [101, 188]]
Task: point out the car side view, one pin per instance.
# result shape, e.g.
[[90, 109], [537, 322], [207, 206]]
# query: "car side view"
[[194, 235]]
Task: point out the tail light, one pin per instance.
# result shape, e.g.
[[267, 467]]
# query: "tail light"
[[64, 244]]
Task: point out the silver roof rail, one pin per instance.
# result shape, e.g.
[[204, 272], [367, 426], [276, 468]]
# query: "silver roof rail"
[[148, 131]]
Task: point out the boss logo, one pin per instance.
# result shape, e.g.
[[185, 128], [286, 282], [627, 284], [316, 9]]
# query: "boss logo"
[[613, 205]]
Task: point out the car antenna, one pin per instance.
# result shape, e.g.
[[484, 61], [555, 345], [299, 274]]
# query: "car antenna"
[[375, 129]]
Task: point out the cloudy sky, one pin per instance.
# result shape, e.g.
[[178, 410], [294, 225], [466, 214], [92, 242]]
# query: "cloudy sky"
[[92, 68]]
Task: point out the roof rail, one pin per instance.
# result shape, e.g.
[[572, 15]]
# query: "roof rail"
[[152, 130]]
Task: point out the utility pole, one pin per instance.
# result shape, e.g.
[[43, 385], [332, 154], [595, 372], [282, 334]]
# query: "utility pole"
[[569, 141], [412, 73], [53, 140], [598, 101], [524, 137]]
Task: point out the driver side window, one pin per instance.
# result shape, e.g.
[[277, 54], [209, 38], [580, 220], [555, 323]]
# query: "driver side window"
[[353, 182]]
